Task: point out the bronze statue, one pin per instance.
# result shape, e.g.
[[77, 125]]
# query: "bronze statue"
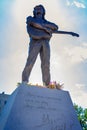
[[40, 32]]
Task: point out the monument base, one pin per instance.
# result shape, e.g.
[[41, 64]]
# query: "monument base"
[[35, 108]]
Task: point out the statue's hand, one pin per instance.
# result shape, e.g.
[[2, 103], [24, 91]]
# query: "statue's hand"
[[48, 30], [74, 34]]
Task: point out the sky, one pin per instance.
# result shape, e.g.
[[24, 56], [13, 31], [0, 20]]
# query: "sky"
[[68, 54]]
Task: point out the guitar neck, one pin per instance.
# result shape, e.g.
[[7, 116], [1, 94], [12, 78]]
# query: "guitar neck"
[[61, 32], [64, 32]]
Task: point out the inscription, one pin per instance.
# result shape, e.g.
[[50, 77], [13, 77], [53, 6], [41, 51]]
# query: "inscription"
[[42, 97], [32, 103], [41, 102], [52, 123]]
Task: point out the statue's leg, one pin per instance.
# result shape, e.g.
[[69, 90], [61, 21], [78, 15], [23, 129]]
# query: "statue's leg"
[[34, 49], [45, 62]]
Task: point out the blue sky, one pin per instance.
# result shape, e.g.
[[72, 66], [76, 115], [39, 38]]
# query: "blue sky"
[[68, 54]]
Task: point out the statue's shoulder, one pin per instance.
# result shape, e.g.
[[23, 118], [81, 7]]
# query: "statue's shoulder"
[[29, 19]]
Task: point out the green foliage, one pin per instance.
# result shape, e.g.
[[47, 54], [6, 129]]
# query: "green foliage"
[[82, 116]]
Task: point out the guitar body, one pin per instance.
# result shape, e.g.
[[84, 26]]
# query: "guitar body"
[[37, 33]]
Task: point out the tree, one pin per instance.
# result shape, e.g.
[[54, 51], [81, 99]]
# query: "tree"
[[82, 116]]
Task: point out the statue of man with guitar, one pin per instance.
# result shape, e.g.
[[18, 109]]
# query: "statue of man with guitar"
[[40, 32]]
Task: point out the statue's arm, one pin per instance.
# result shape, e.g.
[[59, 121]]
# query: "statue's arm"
[[50, 25], [38, 25]]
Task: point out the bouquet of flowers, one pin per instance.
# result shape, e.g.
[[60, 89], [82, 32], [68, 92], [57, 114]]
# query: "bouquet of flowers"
[[55, 85]]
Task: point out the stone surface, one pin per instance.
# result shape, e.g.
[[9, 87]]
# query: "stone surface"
[[35, 108]]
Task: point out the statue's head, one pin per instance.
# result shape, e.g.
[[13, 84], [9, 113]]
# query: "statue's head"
[[39, 10]]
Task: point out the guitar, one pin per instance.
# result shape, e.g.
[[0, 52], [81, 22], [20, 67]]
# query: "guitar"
[[42, 34]]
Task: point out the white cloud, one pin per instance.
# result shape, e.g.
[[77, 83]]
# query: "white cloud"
[[79, 4], [75, 3], [79, 94], [68, 3], [80, 86], [79, 97], [75, 54]]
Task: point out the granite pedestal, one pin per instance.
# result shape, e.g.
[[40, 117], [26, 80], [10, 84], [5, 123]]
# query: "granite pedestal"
[[36, 108]]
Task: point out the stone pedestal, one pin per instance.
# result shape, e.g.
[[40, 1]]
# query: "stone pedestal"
[[35, 108]]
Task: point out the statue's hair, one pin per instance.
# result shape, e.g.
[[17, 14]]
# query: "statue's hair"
[[42, 8]]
